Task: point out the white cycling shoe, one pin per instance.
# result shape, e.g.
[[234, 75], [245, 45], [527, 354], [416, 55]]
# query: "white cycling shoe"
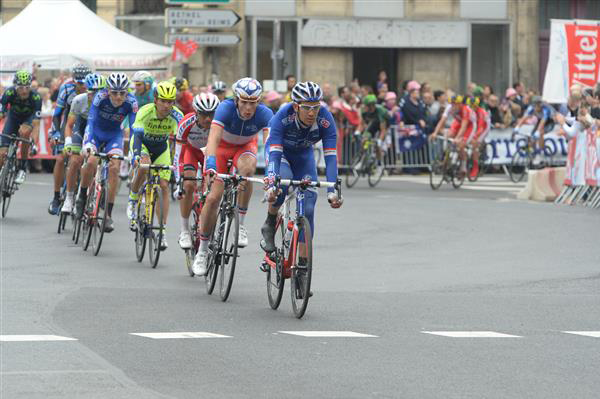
[[242, 237], [185, 240], [199, 267], [20, 179], [68, 205]]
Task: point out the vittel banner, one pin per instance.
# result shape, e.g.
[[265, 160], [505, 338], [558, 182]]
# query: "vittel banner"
[[574, 57]]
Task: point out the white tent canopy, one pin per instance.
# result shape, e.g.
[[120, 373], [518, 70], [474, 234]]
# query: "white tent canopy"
[[59, 33]]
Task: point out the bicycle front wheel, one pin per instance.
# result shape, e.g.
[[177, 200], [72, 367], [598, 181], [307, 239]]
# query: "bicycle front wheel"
[[275, 277], [190, 254], [519, 164], [155, 227], [87, 220], [437, 171], [213, 261], [229, 251], [99, 221], [375, 171], [301, 269], [353, 171], [10, 174]]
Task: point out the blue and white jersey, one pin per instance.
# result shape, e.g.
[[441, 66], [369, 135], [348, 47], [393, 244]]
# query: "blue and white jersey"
[[237, 130], [545, 113], [104, 118], [66, 94], [288, 137]]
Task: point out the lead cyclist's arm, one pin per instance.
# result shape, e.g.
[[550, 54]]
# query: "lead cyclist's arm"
[[214, 138]]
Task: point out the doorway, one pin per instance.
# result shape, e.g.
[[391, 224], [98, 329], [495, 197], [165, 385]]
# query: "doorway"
[[368, 62]]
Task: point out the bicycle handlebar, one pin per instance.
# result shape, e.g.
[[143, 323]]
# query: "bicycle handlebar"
[[18, 138], [156, 167], [106, 156]]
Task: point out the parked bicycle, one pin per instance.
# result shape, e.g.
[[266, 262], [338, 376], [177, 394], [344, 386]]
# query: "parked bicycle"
[[223, 243], [365, 162], [523, 158], [95, 214], [445, 164], [149, 225], [293, 242], [8, 174]]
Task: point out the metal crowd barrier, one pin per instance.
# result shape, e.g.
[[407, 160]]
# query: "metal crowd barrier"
[[394, 158], [586, 195]]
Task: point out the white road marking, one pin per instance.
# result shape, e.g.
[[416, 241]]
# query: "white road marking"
[[471, 334], [177, 335], [331, 334], [32, 338], [594, 334], [490, 188]]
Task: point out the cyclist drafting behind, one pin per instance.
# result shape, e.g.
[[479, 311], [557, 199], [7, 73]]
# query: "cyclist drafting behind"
[[144, 91], [293, 131], [233, 136], [192, 137], [74, 132], [219, 88], [153, 125], [484, 124], [22, 107], [545, 123], [463, 126], [66, 94], [375, 122], [109, 108]]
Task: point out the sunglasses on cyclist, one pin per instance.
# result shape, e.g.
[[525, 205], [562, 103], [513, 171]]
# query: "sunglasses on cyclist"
[[118, 92], [23, 87], [309, 108], [207, 114]]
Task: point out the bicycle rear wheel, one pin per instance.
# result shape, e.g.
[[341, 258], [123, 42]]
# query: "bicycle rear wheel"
[[519, 164], [213, 261], [140, 228], [275, 278], [458, 176], [87, 220], [301, 273], [155, 227], [353, 171], [437, 171], [190, 254], [99, 222], [76, 230], [229, 251]]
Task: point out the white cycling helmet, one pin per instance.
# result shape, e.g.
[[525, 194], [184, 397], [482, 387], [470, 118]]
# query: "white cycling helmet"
[[143, 76], [205, 102], [117, 81], [247, 89], [307, 91]]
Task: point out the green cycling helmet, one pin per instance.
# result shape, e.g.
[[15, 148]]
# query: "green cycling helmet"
[[22, 78], [370, 99]]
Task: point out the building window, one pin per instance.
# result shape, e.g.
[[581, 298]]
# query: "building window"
[[148, 7]]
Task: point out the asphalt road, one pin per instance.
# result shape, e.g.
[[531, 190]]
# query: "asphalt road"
[[400, 264]]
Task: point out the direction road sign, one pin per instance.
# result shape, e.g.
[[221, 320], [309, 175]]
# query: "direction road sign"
[[206, 39], [204, 18]]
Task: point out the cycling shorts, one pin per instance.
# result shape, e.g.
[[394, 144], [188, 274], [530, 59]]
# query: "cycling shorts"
[[157, 158], [112, 143], [455, 127], [227, 151], [12, 124], [191, 157]]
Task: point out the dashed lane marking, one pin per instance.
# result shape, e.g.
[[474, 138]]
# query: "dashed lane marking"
[[329, 334], [594, 334], [179, 335], [34, 338], [471, 334]]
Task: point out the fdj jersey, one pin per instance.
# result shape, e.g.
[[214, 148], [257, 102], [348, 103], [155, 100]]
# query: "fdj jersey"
[[152, 132], [104, 117], [28, 108], [237, 130]]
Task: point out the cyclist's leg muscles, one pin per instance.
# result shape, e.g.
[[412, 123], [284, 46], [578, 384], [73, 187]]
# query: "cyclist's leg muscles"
[[75, 162], [245, 162], [303, 165], [165, 176], [10, 128]]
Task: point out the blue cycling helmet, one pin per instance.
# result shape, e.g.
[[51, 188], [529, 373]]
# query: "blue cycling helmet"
[[117, 81], [95, 81], [247, 89], [306, 91]]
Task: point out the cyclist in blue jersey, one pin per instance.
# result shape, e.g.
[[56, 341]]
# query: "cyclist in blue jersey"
[[66, 94], [544, 124], [74, 132], [293, 131], [104, 134], [233, 136]]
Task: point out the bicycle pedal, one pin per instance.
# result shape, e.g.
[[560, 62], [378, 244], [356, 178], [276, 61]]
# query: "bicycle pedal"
[[264, 267]]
